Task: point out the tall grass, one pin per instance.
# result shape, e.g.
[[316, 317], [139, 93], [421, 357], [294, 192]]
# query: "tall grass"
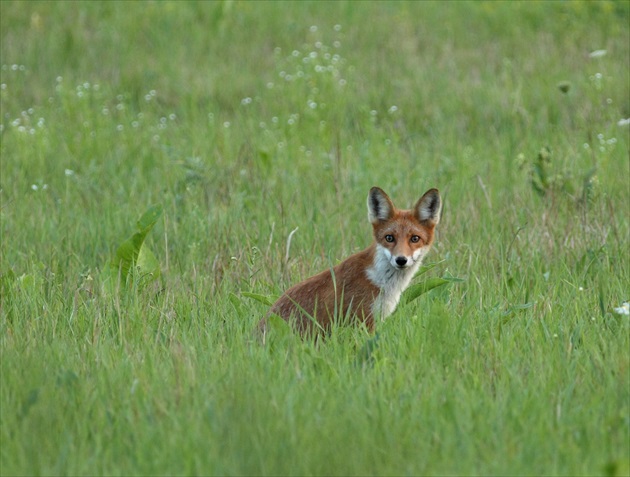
[[247, 120]]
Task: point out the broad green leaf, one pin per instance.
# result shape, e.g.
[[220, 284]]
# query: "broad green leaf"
[[133, 252], [425, 268], [264, 299], [414, 291], [236, 302], [150, 217], [280, 326], [147, 265]]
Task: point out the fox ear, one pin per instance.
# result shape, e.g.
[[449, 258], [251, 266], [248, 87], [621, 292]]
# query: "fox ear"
[[380, 206], [429, 207]]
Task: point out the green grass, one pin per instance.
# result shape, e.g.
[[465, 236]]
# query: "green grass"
[[108, 108]]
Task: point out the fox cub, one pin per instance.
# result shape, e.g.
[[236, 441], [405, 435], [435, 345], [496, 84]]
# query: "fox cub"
[[366, 286]]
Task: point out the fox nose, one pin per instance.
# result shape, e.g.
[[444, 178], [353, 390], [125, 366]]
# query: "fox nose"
[[401, 261]]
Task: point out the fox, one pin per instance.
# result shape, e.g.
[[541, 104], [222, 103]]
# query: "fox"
[[366, 287]]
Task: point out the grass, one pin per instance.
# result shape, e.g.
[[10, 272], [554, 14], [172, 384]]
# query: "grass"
[[205, 109]]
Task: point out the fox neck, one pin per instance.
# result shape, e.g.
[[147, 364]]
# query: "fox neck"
[[390, 280]]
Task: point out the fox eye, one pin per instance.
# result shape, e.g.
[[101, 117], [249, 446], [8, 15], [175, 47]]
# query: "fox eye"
[[389, 238], [415, 239]]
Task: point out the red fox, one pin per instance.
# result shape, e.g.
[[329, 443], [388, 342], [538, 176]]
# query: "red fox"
[[366, 286]]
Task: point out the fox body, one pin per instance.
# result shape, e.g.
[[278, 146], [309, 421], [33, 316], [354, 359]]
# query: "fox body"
[[366, 286]]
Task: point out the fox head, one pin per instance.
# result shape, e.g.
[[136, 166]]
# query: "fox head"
[[403, 237]]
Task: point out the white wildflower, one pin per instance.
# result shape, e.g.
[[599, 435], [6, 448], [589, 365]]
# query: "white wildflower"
[[624, 309]]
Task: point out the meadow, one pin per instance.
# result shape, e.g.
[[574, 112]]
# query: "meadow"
[[257, 129]]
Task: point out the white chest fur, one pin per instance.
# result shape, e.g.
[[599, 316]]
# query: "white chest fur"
[[391, 281]]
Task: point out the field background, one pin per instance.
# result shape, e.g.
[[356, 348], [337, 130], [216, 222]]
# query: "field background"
[[246, 121]]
